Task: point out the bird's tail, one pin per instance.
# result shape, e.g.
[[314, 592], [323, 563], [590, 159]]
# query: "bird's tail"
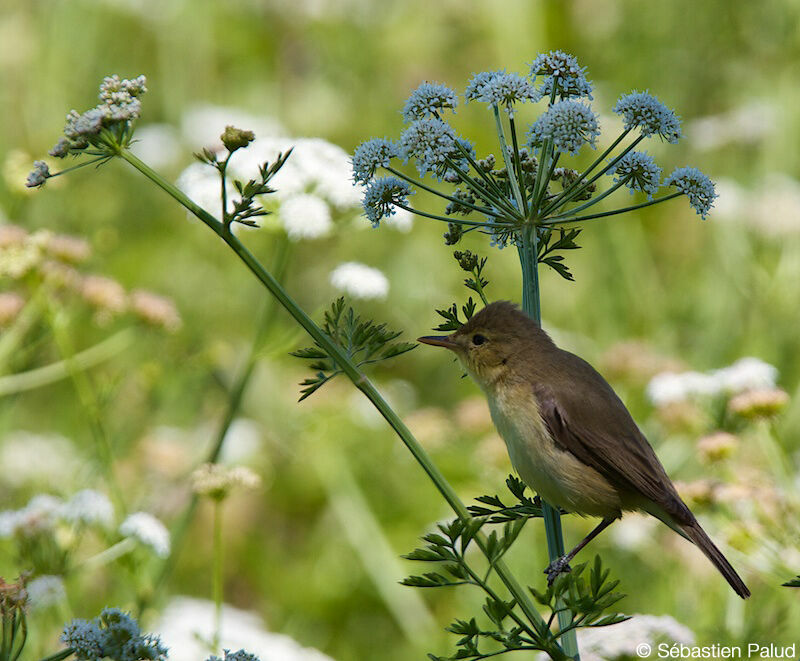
[[695, 533]]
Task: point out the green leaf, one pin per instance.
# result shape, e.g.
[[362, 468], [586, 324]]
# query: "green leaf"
[[793, 583], [428, 580], [362, 341]]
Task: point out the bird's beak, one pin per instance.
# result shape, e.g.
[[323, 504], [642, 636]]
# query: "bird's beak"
[[439, 341]]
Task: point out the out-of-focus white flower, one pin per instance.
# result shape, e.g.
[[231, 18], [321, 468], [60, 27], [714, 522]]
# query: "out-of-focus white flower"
[[360, 281], [732, 200], [8, 523], [305, 216], [216, 480], [401, 220], [27, 457], [669, 387], [41, 513], [201, 183], [44, 591], [148, 530], [634, 531], [186, 622], [202, 125], [745, 374], [157, 145], [775, 209], [620, 641], [745, 124], [242, 441], [315, 166], [89, 507], [771, 207]]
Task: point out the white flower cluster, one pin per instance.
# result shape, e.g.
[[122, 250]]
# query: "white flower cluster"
[[621, 640], [216, 480], [360, 281], [43, 512], [35, 458], [147, 530], [771, 207], [314, 183], [745, 374], [46, 590], [184, 618]]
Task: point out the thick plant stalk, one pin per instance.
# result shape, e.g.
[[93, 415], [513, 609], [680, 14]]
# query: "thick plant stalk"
[[353, 373], [552, 517]]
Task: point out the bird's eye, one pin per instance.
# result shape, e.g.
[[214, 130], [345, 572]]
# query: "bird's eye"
[[478, 339]]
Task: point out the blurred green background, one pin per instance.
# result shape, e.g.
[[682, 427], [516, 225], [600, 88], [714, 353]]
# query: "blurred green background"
[[315, 551]]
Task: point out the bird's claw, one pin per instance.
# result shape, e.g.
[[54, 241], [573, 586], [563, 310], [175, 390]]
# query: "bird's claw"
[[557, 567]]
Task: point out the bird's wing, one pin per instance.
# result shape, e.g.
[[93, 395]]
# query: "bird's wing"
[[594, 425]]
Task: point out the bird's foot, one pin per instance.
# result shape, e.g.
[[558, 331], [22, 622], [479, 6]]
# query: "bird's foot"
[[557, 567]]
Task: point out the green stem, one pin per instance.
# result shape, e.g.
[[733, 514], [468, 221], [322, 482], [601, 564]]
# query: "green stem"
[[235, 396], [419, 184], [352, 373], [105, 157], [454, 221], [217, 571], [87, 396], [605, 170], [518, 163], [479, 286], [42, 376], [569, 192], [539, 186], [594, 200], [492, 192], [224, 192], [560, 220], [108, 555], [512, 177], [551, 169], [12, 337], [23, 638], [58, 656], [552, 517]]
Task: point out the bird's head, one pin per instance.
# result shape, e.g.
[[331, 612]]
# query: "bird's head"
[[493, 343]]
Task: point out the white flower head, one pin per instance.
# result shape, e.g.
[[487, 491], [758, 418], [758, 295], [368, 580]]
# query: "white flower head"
[[41, 513], [360, 281], [44, 591], [621, 640], [401, 220], [746, 374], [669, 387], [34, 458], [157, 144], [216, 480], [200, 182], [315, 166], [202, 125], [89, 507], [305, 216], [242, 441], [184, 618], [147, 530]]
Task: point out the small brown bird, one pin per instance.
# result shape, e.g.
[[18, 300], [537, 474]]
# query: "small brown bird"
[[569, 436]]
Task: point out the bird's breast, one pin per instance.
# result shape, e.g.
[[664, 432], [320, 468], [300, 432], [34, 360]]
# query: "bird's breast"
[[555, 474]]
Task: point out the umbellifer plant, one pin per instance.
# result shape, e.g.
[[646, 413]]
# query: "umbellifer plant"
[[525, 197]]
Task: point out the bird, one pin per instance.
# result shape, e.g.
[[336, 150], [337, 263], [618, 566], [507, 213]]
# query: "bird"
[[569, 436]]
